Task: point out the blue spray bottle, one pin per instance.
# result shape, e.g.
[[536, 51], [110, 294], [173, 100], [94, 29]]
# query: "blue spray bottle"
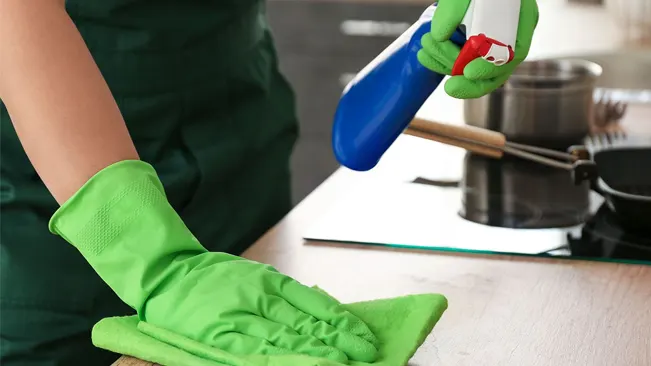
[[383, 98]]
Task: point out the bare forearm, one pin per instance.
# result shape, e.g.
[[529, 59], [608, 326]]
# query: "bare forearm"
[[61, 107]]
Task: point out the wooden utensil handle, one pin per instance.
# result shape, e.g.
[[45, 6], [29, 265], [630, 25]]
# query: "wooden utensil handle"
[[482, 150], [475, 139]]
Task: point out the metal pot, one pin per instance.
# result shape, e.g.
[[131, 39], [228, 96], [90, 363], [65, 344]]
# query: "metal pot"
[[546, 103], [515, 193]]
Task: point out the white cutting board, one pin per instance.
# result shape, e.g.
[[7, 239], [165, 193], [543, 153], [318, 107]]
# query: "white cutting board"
[[425, 217]]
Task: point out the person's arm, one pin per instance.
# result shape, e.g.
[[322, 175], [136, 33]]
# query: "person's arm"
[[114, 209], [61, 107]]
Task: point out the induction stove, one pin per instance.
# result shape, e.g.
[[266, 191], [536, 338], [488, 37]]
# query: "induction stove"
[[506, 206]]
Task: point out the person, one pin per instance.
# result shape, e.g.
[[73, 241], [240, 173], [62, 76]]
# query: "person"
[[144, 146]]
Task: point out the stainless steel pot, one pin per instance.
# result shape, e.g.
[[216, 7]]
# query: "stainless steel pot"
[[520, 194], [546, 103]]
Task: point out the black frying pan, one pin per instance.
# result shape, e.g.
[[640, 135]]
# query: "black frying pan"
[[624, 180]]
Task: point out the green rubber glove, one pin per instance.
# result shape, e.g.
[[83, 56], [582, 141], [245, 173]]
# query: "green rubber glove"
[[122, 223], [480, 77]]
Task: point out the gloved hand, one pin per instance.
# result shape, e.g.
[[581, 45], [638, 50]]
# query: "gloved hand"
[[122, 223], [480, 77]]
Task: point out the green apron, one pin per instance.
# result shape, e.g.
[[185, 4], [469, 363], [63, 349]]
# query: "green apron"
[[198, 84]]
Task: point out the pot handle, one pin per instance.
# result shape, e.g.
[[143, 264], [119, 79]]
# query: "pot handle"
[[478, 140]]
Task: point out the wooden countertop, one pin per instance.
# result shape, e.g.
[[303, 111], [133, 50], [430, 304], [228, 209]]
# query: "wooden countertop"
[[503, 310]]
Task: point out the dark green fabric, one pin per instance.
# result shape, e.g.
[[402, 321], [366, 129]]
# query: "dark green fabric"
[[198, 85]]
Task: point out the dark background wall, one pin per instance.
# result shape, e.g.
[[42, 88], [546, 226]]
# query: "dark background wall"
[[321, 45]]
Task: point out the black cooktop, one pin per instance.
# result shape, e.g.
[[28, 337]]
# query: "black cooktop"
[[508, 206], [604, 236], [518, 194]]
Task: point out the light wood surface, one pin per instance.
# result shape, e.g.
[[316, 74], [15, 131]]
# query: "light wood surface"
[[130, 361], [502, 310]]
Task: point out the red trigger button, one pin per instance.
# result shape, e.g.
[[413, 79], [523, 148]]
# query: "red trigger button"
[[470, 51]]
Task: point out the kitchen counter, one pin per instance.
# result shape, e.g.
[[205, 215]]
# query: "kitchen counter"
[[503, 310]]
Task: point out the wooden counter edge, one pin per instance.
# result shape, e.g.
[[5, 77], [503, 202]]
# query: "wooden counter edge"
[[131, 361]]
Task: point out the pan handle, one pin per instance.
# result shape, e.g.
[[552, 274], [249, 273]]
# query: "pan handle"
[[584, 168], [481, 141], [594, 185]]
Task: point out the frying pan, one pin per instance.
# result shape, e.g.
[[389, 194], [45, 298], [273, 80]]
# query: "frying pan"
[[620, 171], [625, 182]]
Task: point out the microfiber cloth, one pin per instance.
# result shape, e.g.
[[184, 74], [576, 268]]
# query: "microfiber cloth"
[[400, 324]]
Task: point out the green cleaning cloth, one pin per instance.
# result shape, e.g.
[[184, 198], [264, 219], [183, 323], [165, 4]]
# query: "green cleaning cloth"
[[401, 325]]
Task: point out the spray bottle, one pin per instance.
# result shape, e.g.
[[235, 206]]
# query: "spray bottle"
[[380, 102]]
